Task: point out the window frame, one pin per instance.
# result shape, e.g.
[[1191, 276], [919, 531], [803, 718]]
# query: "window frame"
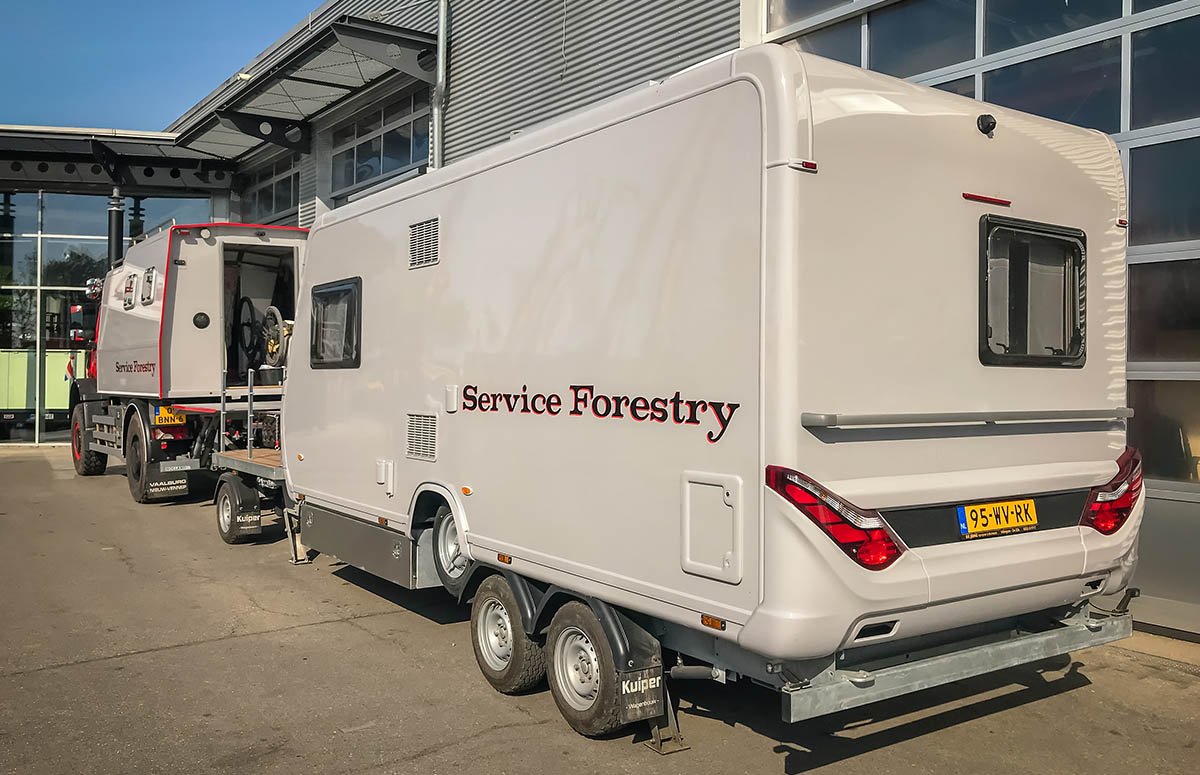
[[378, 109], [249, 195], [992, 221], [355, 284]]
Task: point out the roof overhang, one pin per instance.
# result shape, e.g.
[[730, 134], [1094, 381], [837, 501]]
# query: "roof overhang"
[[85, 160], [277, 105]]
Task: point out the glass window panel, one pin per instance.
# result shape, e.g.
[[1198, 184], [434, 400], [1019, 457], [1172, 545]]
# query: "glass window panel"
[[1012, 23], [1164, 201], [73, 262], [1166, 64], [264, 202], [1081, 86], [781, 13], [397, 148], [421, 100], [1166, 427], [18, 213], [420, 140], [283, 194], [366, 160], [1164, 311], [921, 35], [1146, 5], [369, 122], [343, 134], [60, 330], [841, 41], [343, 169], [159, 210], [397, 109], [74, 214], [963, 86], [18, 372], [18, 261]]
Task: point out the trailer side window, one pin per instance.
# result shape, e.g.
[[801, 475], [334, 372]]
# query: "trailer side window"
[[337, 325], [1032, 295]]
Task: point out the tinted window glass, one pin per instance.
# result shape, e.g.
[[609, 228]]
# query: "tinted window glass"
[[1166, 64], [18, 338], [1146, 5], [74, 214], [73, 262], [1081, 86], [18, 261], [921, 35], [781, 13], [1166, 427], [841, 41], [1164, 315], [1164, 201], [336, 324], [1032, 297], [1012, 23], [18, 213], [963, 86], [161, 210]]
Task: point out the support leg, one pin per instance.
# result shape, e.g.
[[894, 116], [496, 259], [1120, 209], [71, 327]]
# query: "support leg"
[[664, 730]]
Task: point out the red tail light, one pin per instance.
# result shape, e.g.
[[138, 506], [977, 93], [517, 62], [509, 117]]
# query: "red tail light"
[[860, 533], [1109, 505]]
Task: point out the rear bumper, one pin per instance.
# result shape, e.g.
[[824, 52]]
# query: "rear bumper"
[[837, 690]]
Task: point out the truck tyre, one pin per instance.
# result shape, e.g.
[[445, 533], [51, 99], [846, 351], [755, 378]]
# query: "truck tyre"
[[137, 466], [86, 463], [227, 511], [581, 671], [448, 557], [509, 659]]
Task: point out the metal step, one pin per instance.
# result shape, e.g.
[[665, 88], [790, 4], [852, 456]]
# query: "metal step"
[[110, 437], [104, 419]]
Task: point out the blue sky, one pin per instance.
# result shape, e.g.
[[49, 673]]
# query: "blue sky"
[[125, 64]]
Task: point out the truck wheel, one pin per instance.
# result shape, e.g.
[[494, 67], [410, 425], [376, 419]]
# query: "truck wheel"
[[582, 672], [86, 463], [448, 557], [227, 510], [508, 658], [137, 463]]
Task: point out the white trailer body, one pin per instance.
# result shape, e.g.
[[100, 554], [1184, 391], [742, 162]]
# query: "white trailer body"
[[623, 349]]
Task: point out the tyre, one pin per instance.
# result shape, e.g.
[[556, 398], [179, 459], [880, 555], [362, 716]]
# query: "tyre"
[[86, 463], [581, 671], [137, 466], [448, 556], [510, 661], [227, 510]]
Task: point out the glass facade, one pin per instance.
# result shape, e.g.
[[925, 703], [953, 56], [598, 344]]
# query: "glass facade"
[[1125, 67], [51, 244], [381, 141]]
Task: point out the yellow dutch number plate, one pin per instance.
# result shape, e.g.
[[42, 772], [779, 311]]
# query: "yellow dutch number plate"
[[166, 415], [999, 518]]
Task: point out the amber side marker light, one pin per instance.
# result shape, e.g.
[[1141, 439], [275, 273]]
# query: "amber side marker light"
[[504, 558], [712, 621], [467, 491]]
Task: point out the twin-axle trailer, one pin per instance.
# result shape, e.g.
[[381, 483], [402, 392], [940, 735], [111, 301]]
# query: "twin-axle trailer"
[[775, 370]]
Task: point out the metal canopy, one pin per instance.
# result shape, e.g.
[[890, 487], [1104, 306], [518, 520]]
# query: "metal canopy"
[[276, 105], [85, 160]]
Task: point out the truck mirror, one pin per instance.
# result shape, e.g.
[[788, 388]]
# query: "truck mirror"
[[94, 288]]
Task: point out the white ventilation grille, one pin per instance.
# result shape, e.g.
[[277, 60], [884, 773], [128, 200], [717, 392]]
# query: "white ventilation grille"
[[422, 436], [423, 244]]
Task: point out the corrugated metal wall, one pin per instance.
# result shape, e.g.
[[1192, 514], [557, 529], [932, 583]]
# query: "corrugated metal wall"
[[515, 64]]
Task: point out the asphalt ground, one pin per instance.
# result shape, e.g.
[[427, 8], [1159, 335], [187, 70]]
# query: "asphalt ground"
[[133, 640]]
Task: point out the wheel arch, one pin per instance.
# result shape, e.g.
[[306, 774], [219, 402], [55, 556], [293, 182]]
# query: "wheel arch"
[[138, 408]]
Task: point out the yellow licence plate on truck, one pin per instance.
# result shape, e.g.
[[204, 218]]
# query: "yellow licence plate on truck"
[[980, 519], [166, 415]]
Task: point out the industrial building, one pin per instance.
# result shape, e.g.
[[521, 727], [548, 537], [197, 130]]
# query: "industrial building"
[[361, 94]]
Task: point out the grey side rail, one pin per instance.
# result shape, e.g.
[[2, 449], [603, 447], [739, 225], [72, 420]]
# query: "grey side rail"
[[832, 420]]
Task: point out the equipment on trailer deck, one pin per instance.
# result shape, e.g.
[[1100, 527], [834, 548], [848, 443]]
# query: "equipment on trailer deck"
[[663, 382]]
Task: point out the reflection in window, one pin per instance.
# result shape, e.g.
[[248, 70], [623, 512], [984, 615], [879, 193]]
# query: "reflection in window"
[[63, 321], [159, 210], [382, 140], [18, 373], [781, 13], [1164, 316], [921, 35], [962, 86], [1080, 86], [18, 260], [336, 325], [1146, 5], [18, 213], [274, 192], [841, 41], [73, 262], [74, 214], [1164, 202], [1166, 427], [1166, 63], [1012, 23]]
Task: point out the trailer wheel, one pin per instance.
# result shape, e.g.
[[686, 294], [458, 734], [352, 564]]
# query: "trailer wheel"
[[87, 463], [137, 462], [582, 672], [448, 556], [509, 659], [227, 510]]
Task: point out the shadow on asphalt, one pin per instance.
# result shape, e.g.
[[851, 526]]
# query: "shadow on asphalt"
[[807, 745], [434, 604]]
